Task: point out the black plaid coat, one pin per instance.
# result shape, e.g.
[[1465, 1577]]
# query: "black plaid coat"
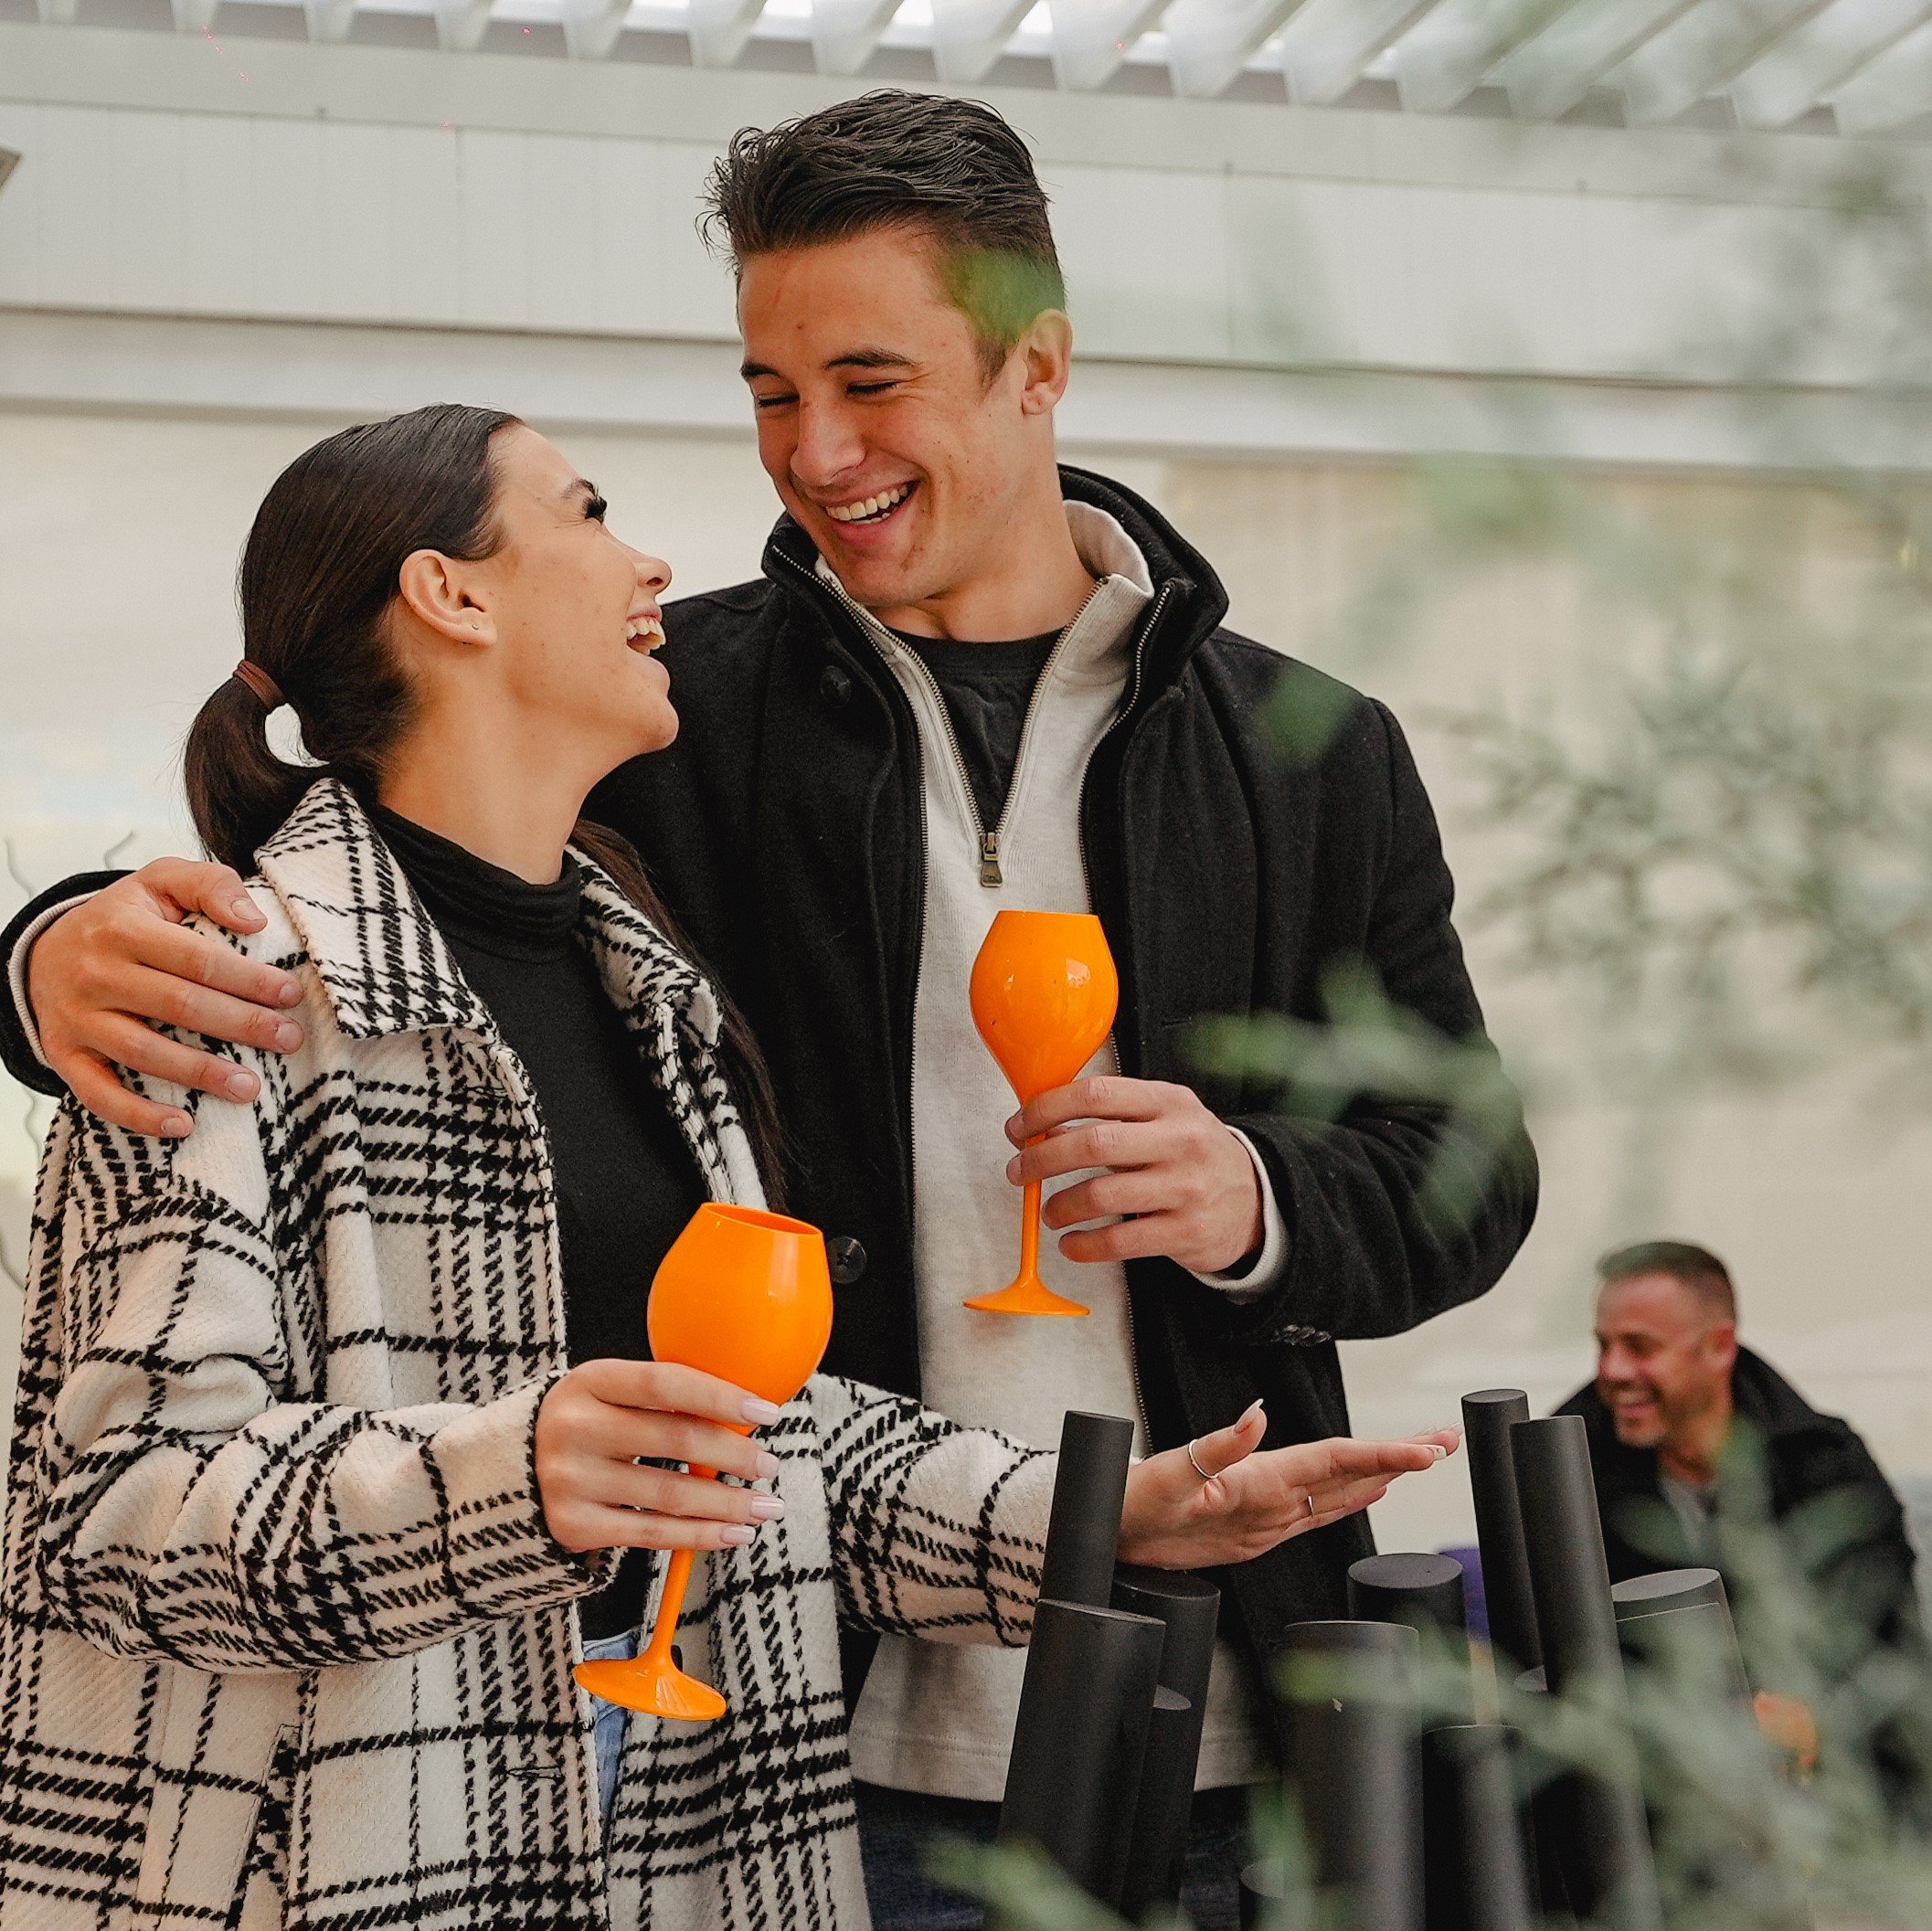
[[286, 1641]]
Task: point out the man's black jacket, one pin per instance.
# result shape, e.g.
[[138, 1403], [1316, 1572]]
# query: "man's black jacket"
[[1836, 1533], [784, 830]]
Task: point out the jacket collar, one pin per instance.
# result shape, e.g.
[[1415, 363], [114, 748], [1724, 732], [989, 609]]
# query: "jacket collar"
[[1190, 601], [386, 966]]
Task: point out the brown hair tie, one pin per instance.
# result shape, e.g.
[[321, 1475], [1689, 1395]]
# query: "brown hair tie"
[[264, 686]]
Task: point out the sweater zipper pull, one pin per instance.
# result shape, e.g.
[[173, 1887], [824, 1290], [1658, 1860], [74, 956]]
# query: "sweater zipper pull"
[[990, 873]]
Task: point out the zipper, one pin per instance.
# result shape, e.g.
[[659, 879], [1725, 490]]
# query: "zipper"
[[991, 873], [1146, 633]]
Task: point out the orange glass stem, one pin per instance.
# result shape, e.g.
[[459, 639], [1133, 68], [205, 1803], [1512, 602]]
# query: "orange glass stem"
[[677, 1579]]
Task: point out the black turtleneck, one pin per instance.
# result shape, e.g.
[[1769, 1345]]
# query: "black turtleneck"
[[626, 1181]]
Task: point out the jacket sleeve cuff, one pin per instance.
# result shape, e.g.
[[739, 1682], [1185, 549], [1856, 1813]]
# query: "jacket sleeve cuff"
[[19, 1037], [1252, 1278], [500, 1555]]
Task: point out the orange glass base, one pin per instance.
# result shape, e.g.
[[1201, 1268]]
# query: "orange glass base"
[[659, 1688], [1026, 1296]]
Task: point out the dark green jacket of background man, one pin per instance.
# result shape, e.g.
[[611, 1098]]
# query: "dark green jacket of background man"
[[784, 830]]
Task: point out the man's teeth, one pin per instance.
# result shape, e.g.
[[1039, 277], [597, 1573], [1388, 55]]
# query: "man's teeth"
[[872, 506], [647, 631]]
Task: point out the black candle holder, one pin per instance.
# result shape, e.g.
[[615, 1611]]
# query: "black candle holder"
[[1487, 1418], [1423, 1593], [1678, 1622], [1083, 1533], [1610, 1869], [1474, 1858], [1190, 1611], [1355, 1768], [1080, 1745]]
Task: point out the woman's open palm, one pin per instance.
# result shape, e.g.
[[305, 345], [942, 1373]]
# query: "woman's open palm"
[[1250, 1501]]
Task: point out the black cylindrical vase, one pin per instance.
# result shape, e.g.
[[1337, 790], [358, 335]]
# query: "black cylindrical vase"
[[1678, 1622], [1080, 1741], [1424, 1594], [1612, 1878], [1477, 1870], [1190, 1610], [1355, 1768], [1486, 1418], [1083, 1533]]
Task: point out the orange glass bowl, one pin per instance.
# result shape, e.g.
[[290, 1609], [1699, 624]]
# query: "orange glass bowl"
[[1045, 992], [747, 1296]]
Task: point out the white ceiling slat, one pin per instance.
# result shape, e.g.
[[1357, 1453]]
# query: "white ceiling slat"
[[591, 27], [1329, 43], [1209, 41], [1821, 57], [1894, 88], [845, 32], [719, 28], [1090, 37], [329, 20], [59, 12], [969, 36], [1702, 52], [1548, 75], [460, 23], [1443, 59], [194, 16]]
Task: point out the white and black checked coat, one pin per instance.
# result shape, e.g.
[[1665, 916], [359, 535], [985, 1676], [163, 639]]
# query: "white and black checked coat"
[[286, 1641]]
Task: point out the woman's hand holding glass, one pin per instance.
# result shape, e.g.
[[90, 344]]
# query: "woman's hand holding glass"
[[605, 1417], [1219, 1501]]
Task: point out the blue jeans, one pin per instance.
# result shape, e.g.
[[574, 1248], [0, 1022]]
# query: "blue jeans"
[[607, 1720], [895, 1826]]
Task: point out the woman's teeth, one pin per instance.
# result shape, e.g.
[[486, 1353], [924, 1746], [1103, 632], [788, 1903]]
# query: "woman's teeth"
[[872, 508], [646, 631]]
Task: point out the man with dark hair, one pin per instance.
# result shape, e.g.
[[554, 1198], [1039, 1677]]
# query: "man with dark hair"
[[1705, 1456], [969, 679]]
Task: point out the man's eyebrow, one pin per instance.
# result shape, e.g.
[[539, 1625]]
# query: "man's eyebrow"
[[869, 357], [578, 486]]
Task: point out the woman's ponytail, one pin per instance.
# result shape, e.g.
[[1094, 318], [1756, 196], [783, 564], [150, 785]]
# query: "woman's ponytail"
[[240, 792], [318, 574]]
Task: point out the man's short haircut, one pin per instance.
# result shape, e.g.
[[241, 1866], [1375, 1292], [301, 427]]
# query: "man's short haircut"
[[1695, 1267], [951, 169]]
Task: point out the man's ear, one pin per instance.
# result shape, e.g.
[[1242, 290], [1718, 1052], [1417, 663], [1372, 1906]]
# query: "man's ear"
[[1722, 1344], [438, 593], [1045, 353]]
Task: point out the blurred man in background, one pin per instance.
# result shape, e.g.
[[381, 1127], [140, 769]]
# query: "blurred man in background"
[[1705, 1456]]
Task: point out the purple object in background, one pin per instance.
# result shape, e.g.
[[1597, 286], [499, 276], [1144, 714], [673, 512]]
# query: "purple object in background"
[[1475, 1603]]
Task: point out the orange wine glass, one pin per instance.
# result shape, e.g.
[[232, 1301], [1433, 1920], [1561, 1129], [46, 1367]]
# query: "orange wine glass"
[[1043, 996], [747, 1296]]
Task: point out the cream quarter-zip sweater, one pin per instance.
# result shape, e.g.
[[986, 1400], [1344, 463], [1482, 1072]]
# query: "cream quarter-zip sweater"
[[934, 1717]]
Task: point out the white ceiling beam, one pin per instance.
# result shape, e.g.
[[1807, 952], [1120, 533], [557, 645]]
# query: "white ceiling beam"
[[1550, 73], [591, 27], [1444, 57], [194, 16], [969, 36], [1895, 87], [845, 32], [329, 20], [59, 12], [1329, 43], [719, 28], [1794, 76], [1702, 53], [1209, 41], [1090, 39], [460, 23]]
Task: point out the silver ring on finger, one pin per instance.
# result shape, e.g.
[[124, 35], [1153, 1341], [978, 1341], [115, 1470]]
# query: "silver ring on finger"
[[1310, 1498], [1194, 1464]]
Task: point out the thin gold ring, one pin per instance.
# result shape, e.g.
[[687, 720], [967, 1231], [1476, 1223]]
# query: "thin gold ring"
[[1195, 1465]]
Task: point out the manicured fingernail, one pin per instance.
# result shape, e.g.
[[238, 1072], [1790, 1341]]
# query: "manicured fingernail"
[[240, 1086], [287, 1036], [1013, 1170], [738, 1532], [290, 994], [176, 1126], [768, 1466], [1442, 1453], [759, 1413], [242, 906], [766, 1507], [1254, 1407]]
